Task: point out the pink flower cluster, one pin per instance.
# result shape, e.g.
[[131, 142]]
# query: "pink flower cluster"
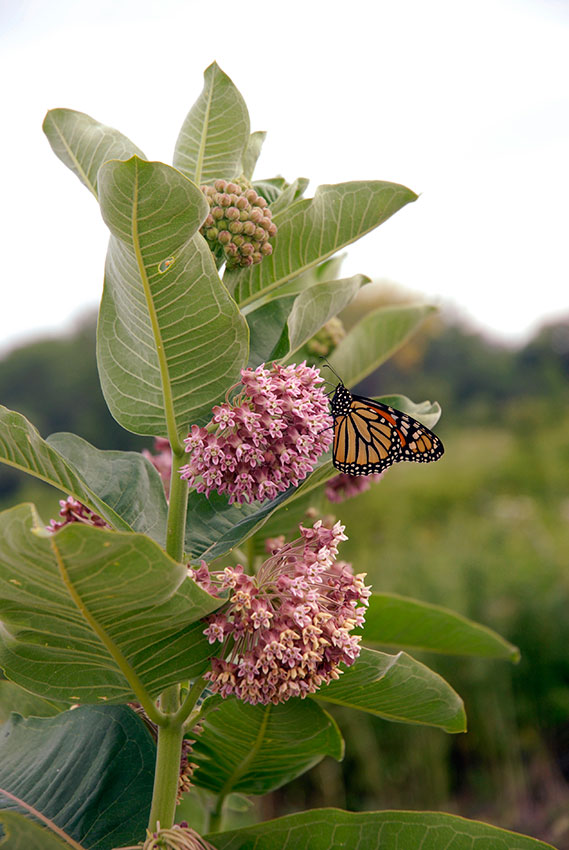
[[343, 486], [285, 631], [268, 438], [74, 511]]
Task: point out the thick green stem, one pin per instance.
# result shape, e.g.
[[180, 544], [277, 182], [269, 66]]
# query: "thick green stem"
[[171, 730], [177, 508], [166, 776], [216, 815]]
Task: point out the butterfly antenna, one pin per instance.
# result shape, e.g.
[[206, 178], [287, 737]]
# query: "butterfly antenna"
[[332, 369]]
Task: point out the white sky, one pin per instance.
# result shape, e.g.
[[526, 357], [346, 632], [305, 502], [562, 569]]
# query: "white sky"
[[466, 103]]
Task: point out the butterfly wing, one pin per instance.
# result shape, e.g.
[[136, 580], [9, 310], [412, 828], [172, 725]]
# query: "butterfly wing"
[[370, 436]]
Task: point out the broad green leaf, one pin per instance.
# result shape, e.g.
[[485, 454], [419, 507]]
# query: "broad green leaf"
[[14, 698], [291, 193], [91, 615], [270, 189], [214, 526], [402, 622], [254, 749], [170, 338], [268, 331], [22, 833], [374, 339], [84, 144], [310, 231], [252, 152], [315, 306], [397, 688], [427, 412], [293, 320], [126, 481], [86, 774], [22, 447], [334, 829], [215, 134]]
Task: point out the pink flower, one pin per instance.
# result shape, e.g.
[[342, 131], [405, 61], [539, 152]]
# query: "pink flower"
[[284, 632], [343, 486], [74, 511], [269, 437]]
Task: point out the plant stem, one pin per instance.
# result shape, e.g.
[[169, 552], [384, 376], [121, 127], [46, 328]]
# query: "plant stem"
[[166, 776], [215, 820], [193, 695], [177, 508], [171, 730]]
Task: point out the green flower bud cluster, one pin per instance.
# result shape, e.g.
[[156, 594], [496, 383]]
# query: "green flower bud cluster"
[[239, 225], [327, 338]]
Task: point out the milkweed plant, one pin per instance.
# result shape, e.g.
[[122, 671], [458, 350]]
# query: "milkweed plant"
[[172, 643]]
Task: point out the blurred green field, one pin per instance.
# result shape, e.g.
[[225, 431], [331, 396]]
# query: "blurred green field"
[[485, 531]]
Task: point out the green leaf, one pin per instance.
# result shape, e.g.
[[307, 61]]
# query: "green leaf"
[[14, 698], [315, 306], [427, 412], [86, 774], [22, 447], [291, 193], [215, 134], [83, 144], [268, 331], [252, 152], [214, 526], [170, 338], [310, 231], [293, 320], [126, 481], [270, 189], [21, 833], [402, 622], [397, 688], [334, 829], [374, 339], [91, 615], [254, 749]]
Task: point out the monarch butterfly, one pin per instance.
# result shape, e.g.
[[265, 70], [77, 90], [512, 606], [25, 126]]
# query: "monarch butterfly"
[[369, 436]]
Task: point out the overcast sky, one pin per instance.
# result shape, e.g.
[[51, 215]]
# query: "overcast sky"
[[465, 103]]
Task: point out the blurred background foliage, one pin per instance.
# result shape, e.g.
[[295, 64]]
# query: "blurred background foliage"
[[485, 532]]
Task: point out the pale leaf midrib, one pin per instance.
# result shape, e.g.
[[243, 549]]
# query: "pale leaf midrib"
[[74, 159]]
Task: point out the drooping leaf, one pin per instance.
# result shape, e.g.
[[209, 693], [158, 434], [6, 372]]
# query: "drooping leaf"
[[310, 231], [398, 621], [92, 616], [334, 829], [252, 152], [126, 481], [215, 134], [170, 338], [15, 698], [22, 447], [254, 749], [374, 339], [86, 774], [397, 688], [22, 833], [84, 144]]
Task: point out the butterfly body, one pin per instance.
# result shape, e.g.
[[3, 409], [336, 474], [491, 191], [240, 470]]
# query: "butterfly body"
[[370, 436]]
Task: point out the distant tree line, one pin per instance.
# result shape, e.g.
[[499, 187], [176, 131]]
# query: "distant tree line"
[[54, 383]]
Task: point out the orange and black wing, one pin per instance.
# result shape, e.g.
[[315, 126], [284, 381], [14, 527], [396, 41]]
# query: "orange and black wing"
[[369, 436]]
